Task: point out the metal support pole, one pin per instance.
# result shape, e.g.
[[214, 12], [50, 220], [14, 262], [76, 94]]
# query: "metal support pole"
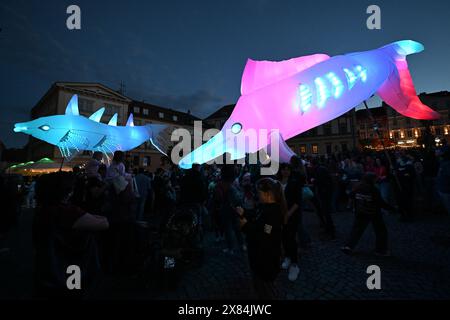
[[62, 162], [377, 131]]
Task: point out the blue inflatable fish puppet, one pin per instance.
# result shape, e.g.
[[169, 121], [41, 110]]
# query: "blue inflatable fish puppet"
[[73, 133]]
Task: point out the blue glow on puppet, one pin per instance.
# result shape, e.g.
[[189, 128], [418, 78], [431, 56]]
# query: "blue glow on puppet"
[[362, 73], [338, 87], [322, 91], [305, 97], [73, 133], [351, 78]]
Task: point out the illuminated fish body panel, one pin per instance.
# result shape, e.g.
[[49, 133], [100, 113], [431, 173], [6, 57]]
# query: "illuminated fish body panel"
[[296, 95], [73, 133]]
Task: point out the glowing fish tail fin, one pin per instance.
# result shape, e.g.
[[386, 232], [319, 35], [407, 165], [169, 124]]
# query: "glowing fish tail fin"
[[398, 90], [159, 136]]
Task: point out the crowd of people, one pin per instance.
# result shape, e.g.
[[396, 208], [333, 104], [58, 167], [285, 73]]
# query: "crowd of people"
[[89, 217]]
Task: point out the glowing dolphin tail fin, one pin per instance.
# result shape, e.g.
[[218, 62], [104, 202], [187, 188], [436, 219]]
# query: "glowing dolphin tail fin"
[[398, 90], [160, 136]]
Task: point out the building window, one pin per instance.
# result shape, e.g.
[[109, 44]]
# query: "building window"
[[146, 161], [437, 130], [174, 118], [409, 133], [136, 110], [329, 148], [86, 105], [136, 161], [303, 148], [408, 121], [396, 135], [395, 122], [327, 129], [344, 147], [145, 112], [343, 128], [315, 148], [314, 131], [161, 115]]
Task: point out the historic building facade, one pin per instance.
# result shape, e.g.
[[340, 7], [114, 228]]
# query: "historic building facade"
[[407, 132]]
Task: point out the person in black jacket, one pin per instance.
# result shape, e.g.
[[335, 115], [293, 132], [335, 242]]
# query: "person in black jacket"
[[264, 236], [292, 182], [368, 205]]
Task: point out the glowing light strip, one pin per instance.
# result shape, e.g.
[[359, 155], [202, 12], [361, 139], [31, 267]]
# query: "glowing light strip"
[[322, 91], [305, 97], [338, 87]]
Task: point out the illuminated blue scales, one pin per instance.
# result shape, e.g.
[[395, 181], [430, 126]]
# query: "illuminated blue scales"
[[331, 85], [73, 133]]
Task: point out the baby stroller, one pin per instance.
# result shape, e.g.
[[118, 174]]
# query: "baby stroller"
[[181, 242]]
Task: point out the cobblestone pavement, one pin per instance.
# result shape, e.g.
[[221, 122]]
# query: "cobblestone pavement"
[[418, 269]]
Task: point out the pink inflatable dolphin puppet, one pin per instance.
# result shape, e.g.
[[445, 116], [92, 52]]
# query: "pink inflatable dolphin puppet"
[[296, 95]]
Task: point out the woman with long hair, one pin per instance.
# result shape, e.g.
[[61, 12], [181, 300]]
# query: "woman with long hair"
[[264, 236]]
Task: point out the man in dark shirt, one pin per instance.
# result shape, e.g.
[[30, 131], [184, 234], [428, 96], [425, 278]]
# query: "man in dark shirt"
[[368, 205], [192, 187], [406, 177], [323, 185]]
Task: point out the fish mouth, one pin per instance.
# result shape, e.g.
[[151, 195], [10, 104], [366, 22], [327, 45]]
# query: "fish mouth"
[[210, 150], [20, 127]]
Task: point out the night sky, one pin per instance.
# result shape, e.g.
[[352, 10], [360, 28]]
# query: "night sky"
[[191, 54]]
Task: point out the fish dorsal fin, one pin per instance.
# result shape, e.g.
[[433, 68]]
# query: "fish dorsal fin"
[[72, 106], [258, 74], [113, 121], [130, 122], [97, 115]]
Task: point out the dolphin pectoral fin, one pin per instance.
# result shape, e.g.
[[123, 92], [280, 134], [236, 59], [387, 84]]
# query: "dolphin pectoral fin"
[[278, 150]]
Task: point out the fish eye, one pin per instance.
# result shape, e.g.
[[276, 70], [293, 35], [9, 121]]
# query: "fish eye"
[[236, 127], [45, 127]]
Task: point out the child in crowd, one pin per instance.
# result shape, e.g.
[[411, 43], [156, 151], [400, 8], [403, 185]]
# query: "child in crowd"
[[264, 236]]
